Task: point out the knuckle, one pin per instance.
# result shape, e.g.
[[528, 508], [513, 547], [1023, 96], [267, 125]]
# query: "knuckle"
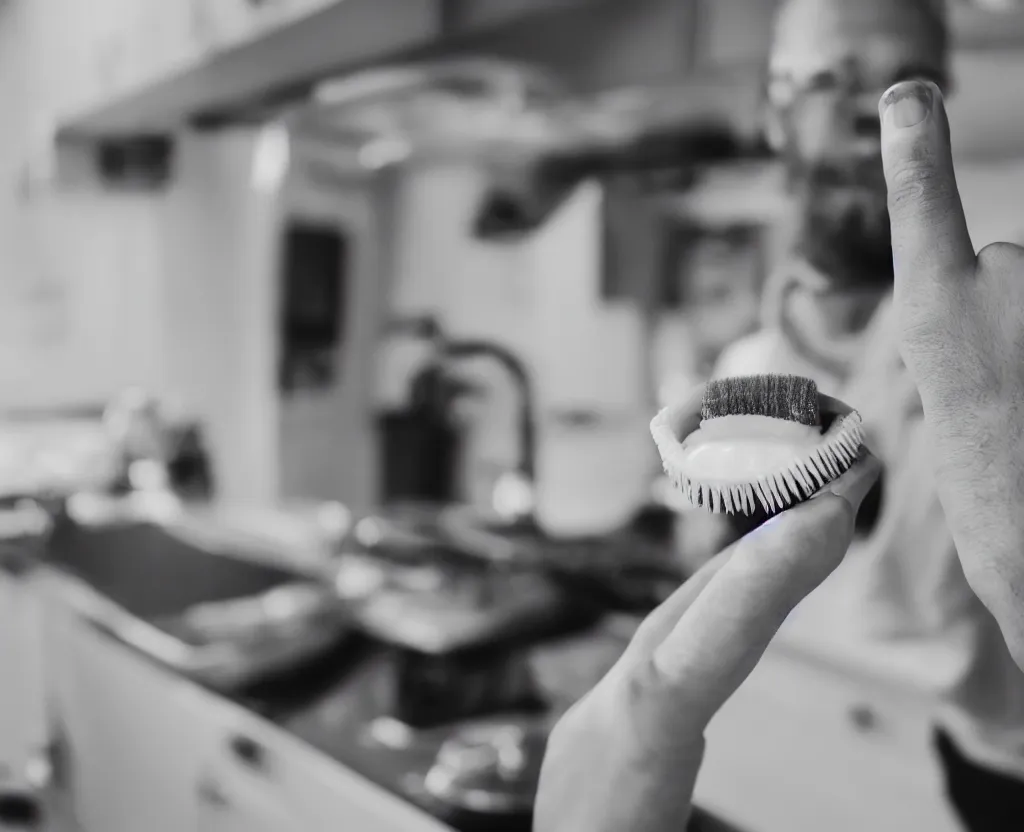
[[926, 326], [988, 583], [829, 529], [642, 688], [637, 685], [1000, 255], [917, 188], [838, 518], [835, 513], [825, 518]]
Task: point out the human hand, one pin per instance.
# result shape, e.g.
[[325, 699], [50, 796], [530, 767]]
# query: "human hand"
[[961, 321], [626, 755]]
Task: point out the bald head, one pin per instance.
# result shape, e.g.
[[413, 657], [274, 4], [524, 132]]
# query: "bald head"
[[901, 36]]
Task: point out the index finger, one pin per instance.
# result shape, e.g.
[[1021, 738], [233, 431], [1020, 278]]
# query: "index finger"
[[930, 240]]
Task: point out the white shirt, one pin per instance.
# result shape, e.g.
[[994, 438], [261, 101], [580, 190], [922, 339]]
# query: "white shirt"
[[916, 585]]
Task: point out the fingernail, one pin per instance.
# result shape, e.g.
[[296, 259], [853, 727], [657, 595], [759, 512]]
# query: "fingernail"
[[854, 485], [907, 104]]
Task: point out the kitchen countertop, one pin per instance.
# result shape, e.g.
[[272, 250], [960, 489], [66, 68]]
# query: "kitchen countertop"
[[823, 630], [325, 704], [827, 626], [329, 704]]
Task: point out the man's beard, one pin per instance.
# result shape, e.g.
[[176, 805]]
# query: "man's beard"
[[844, 228]]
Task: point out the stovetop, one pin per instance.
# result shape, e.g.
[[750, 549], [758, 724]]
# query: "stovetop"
[[344, 706], [385, 711]]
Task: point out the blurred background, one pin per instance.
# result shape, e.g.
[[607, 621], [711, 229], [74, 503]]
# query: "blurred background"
[[330, 332]]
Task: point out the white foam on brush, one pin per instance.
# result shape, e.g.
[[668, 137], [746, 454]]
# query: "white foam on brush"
[[735, 467]]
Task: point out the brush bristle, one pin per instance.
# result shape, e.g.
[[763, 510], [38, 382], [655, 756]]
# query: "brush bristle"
[[774, 490], [782, 489], [792, 398]]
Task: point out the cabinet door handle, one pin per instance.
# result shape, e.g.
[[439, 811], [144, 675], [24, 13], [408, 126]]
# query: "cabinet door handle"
[[211, 794], [864, 718], [251, 753]]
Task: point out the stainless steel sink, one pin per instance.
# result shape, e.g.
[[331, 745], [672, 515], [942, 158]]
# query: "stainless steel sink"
[[153, 574], [226, 616]]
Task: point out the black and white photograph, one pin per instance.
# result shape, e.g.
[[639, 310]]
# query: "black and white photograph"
[[512, 416]]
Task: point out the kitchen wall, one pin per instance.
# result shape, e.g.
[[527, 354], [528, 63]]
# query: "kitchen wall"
[[103, 289], [539, 297], [79, 270]]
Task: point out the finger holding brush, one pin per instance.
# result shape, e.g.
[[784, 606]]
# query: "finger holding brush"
[[626, 756]]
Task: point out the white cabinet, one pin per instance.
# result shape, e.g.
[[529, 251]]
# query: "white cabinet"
[[245, 809], [133, 733], [241, 785], [225, 23], [147, 750], [231, 798], [256, 777], [336, 799], [801, 748], [23, 729], [105, 50], [88, 54]]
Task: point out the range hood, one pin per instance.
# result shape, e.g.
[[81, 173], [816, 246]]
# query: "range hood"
[[436, 77], [594, 44], [393, 114], [537, 137], [504, 111], [284, 62]]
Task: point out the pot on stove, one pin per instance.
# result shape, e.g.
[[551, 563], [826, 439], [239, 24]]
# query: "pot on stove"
[[490, 768]]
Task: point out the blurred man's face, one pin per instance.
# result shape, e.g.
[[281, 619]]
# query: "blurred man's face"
[[832, 60]]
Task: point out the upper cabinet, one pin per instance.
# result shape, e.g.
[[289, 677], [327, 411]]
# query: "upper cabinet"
[[225, 23], [87, 55], [84, 53]]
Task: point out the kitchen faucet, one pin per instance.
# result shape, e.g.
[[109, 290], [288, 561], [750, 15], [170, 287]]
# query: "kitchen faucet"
[[525, 424], [449, 350]]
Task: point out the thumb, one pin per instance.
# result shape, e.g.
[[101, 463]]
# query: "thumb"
[[929, 232]]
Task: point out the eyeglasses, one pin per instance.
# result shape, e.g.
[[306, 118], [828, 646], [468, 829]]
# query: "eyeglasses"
[[842, 82]]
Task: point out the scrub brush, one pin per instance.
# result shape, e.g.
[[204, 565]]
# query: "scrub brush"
[[764, 442]]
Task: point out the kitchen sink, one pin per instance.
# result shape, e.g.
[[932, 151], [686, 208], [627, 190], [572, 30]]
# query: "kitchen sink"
[[152, 573], [225, 614]]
